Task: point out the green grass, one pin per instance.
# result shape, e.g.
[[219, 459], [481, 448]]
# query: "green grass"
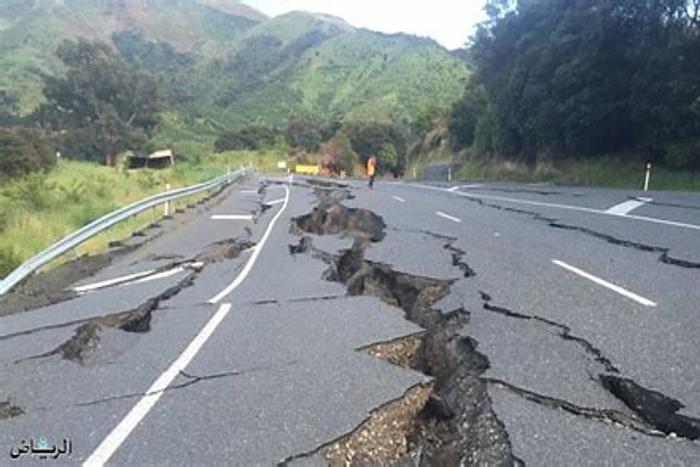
[[604, 172], [40, 209]]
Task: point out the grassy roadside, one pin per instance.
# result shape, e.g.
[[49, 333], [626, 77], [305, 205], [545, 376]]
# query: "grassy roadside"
[[39, 209], [611, 173]]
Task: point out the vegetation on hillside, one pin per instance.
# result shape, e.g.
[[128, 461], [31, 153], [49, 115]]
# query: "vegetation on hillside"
[[103, 105], [557, 79], [228, 68], [204, 75]]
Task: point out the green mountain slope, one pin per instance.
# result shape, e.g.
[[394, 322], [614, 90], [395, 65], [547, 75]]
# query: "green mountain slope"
[[314, 65], [229, 66], [31, 30]]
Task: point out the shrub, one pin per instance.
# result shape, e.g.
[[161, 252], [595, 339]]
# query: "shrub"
[[74, 192], [34, 189], [23, 151]]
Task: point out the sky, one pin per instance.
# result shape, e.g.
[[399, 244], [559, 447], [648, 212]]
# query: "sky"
[[450, 22]]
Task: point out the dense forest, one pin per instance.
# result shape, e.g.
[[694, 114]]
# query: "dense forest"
[[584, 78]]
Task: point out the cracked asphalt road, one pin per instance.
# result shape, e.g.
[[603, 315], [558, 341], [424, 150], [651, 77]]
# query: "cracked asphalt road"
[[279, 376]]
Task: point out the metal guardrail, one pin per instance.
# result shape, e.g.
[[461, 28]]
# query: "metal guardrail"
[[105, 222]]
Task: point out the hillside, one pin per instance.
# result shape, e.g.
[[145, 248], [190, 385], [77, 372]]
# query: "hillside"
[[318, 65], [229, 66], [31, 30]]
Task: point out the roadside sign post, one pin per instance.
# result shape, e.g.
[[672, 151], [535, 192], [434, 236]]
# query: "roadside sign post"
[[647, 177]]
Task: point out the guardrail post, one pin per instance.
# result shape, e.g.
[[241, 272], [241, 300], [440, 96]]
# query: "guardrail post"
[[166, 209]]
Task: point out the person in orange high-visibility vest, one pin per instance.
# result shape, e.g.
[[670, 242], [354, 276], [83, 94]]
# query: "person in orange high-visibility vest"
[[372, 170]]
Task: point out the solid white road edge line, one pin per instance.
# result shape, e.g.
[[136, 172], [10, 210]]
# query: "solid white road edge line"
[[254, 257], [233, 217], [615, 288], [557, 206], [117, 436], [399, 199], [447, 216], [625, 208]]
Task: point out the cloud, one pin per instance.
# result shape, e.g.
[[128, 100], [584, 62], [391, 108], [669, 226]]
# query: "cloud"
[[450, 22]]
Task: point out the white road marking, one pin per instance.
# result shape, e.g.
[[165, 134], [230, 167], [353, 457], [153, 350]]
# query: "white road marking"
[[138, 278], [625, 208], [467, 187], [615, 288], [399, 199], [249, 192], [663, 222], [111, 282], [254, 257], [447, 216], [453, 189], [235, 217], [119, 434], [277, 201], [557, 206], [160, 275]]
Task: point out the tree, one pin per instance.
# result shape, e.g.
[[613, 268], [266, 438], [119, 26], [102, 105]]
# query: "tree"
[[8, 109], [384, 140], [583, 78], [304, 134], [250, 138], [23, 151], [465, 114], [102, 106]]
